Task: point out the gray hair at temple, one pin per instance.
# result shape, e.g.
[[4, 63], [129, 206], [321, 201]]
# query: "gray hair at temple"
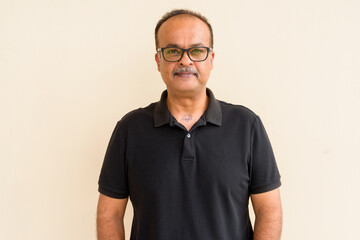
[[176, 12]]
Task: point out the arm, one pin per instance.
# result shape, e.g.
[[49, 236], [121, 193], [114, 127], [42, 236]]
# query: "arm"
[[110, 216], [268, 215]]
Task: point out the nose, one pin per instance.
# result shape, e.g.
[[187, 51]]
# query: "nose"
[[185, 60]]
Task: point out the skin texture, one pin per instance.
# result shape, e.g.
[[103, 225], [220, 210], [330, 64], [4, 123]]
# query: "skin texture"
[[268, 215], [110, 215]]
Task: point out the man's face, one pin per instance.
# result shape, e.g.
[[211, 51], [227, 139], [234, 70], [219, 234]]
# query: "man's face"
[[184, 31]]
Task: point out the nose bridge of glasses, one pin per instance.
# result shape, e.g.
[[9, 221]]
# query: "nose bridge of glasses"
[[188, 53], [185, 55]]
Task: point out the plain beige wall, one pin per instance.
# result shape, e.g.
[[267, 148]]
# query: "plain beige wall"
[[70, 69]]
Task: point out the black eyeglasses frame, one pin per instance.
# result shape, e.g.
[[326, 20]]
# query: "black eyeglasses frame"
[[187, 52]]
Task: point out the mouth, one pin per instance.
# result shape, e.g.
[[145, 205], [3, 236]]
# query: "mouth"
[[185, 74]]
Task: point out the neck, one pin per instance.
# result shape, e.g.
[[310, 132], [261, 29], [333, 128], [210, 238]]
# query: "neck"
[[187, 109], [187, 104]]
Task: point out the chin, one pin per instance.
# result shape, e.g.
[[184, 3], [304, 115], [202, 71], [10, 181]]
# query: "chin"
[[187, 89]]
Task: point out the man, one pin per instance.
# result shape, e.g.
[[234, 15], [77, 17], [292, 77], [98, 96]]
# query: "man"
[[189, 162]]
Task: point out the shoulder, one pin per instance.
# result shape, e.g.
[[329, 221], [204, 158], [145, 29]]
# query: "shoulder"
[[138, 117], [234, 112]]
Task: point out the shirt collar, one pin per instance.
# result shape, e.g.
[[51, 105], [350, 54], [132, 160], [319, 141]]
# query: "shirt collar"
[[212, 114]]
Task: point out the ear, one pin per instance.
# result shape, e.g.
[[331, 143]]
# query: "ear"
[[157, 59], [212, 59]]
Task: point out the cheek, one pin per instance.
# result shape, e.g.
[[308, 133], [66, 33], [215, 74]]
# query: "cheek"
[[205, 73], [166, 69], [165, 75]]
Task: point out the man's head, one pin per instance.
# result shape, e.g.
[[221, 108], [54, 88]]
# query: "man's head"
[[177, 12], [184, 71]]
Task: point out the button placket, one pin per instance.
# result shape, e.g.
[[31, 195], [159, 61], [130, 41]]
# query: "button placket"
[[188, 154]]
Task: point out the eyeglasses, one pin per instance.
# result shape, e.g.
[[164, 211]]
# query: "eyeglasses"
[[174, 54]]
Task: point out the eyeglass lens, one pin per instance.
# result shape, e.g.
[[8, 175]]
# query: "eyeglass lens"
[[196, 54]]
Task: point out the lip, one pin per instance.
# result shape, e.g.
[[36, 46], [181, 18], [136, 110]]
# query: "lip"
[[185, 74]]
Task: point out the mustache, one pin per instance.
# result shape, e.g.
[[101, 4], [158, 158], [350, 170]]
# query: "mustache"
[[185, 69]]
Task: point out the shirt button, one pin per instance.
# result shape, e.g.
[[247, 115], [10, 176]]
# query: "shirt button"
[[188, 135]]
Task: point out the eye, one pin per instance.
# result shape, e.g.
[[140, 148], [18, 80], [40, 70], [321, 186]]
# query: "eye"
[[197, 50], [172, 51]]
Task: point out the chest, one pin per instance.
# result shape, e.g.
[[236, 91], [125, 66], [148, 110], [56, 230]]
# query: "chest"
[[180, 162]]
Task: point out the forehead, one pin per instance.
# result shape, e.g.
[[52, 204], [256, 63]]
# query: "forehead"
[[184, 30]]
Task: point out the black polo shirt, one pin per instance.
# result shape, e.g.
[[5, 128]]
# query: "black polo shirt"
[[189, 185]]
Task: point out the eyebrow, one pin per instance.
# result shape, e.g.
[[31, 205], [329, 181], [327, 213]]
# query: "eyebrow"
[[192, 45]]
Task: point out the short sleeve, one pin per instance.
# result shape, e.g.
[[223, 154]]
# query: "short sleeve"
[[264, 173], [113, 176]]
